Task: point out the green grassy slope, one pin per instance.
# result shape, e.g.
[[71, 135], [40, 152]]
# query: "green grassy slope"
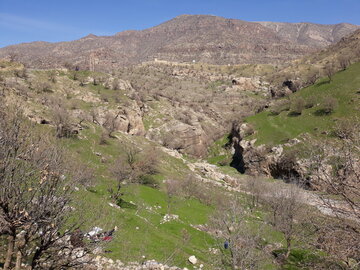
[[345, 86]]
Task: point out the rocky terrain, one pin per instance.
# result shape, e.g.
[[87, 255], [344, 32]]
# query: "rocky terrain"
[[310, 34], [174, 148], [187, 38]]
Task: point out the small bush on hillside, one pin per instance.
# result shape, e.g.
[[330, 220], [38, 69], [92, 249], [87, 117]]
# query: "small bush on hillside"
[[328, 106], [283, 105], [148, 180], [104, 138], [297, 106], [249, 130], [309, 103], [312, 77]]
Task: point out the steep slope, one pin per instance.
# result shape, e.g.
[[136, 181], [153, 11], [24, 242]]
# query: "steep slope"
[[310, 34], [306, 70], [203, 38], [284, 138]]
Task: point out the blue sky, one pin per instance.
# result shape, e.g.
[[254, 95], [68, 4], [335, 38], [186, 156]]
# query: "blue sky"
[[60, 20]]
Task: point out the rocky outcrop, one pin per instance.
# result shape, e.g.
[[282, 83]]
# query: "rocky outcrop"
[[183, 137], [260, 160]]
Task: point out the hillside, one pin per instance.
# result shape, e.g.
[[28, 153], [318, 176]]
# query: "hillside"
[[303, 71], [314, 35], [287, 134], [207, 39], [101, 119]]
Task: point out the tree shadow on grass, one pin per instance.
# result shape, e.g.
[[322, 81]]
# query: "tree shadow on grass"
[[322, 83], [321, 112], [293, 114]]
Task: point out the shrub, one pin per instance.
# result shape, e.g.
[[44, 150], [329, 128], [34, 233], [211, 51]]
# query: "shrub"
[[329, 105], [283, 105], [148, 180], [309, 103], [297, 105]]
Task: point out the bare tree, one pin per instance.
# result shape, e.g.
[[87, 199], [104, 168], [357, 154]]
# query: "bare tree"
[[255, 187], [111, 123], [132, 167], [62, 120], [344, 61], [173, 188], [13, 56], [335, 168], [329, 70], [239, 245], [35, 196], [287, 209], [312, 77]]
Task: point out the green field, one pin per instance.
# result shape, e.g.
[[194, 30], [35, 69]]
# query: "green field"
[[345, 86]]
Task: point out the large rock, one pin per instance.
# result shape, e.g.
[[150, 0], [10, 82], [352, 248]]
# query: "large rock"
[[193, 259]]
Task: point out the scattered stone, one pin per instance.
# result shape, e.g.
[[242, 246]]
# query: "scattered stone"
[[192, 259], [168, 218]]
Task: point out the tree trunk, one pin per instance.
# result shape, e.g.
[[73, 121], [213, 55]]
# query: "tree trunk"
[[35, 258], [10, 251], [18, 260], [288, 248]]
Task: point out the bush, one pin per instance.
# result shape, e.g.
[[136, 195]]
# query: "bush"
[[309, 103], [297, 106], [329, 105], [148, 180], [283, 105]]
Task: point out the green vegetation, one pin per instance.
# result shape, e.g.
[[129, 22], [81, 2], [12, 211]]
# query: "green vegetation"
[[219, 152], [325, 104]]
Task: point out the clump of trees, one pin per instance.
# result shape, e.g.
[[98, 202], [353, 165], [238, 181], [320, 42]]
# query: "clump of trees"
[[338, 172], [36, 186], [136, 166]]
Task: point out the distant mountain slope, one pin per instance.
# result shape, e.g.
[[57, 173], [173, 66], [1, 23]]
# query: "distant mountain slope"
[[310, 34], [202, 38], [347, 49]]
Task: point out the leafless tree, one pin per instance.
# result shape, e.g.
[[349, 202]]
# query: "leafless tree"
[[255, 187], [239, 245], [344, 61], [173, 189], [312, 77], [131, 167], [62, 120], [335, 167], [111, 123], [329, 70], [287, 209], [35, 196]]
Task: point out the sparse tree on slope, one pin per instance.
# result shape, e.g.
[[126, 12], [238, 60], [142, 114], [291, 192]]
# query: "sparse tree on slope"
[[35, 197]]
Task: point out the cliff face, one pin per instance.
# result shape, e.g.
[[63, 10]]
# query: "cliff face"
[[202, 38]]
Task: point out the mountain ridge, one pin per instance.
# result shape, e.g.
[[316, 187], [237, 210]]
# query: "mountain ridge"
[[186, 38]]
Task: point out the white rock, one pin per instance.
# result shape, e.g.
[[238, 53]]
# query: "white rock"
[[192, 259]]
